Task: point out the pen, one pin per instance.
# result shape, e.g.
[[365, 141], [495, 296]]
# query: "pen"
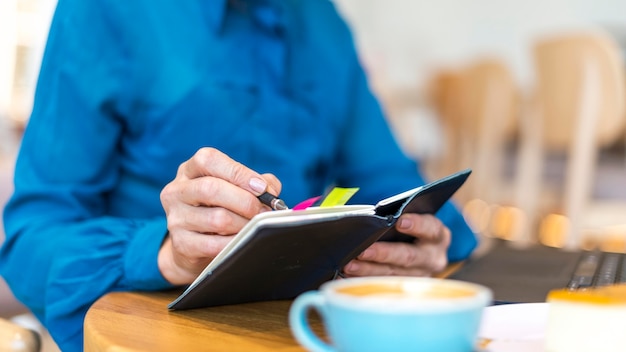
[[272, 201]]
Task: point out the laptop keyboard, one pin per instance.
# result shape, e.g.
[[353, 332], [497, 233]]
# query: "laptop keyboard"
[[598, 269], [528, 274]]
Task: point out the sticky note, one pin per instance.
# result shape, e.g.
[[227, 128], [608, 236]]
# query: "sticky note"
[[338, 196]]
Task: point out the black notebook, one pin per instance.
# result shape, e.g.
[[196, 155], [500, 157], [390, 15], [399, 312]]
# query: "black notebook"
[[281, 254]]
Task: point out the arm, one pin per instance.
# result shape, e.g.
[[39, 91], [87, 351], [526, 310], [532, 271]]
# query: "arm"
[[60, 232], [85, 218]]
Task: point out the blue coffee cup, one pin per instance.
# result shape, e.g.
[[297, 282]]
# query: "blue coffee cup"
[[392, 314]]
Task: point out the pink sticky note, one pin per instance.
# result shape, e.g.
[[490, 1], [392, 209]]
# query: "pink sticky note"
[[305, 204]]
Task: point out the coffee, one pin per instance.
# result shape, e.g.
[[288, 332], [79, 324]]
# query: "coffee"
[[392, 313], [372, 289], [398, 289]]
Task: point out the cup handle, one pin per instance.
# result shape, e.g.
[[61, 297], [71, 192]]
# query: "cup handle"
[[300, 325]]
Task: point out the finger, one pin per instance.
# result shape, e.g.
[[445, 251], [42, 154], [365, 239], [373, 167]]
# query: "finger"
[[274, 186], [425, 227], [212, 192], [197, 250], [206, 220], [363, 268], [403, 254], [212, 162]]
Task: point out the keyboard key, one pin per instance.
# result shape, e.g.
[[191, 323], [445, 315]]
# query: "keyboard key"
[[622, 273], [607, 274], [585, 271]]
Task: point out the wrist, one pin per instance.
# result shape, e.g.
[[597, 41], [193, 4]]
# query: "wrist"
[[171, 272]]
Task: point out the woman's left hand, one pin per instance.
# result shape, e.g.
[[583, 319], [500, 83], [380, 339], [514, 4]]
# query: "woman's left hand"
[[426, 256]]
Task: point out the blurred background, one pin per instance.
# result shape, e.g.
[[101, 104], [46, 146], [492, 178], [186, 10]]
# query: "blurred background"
[[529, 94]]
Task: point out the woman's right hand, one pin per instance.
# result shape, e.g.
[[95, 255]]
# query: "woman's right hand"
[[210, 200]]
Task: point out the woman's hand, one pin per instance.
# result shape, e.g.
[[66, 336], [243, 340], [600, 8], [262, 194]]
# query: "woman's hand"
[[426, 256], [210, 200]]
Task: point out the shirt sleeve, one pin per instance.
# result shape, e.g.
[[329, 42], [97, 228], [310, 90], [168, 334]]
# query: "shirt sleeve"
[[63, 248], [371, 158]]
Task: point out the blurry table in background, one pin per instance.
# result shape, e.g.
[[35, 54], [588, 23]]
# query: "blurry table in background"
[[132, 321]]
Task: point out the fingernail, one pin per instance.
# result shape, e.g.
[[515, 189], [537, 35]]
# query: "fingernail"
[[367, 254], [351, 267], [404, 223], [258, 185]]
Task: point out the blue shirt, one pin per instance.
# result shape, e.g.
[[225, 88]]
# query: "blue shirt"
[[128, 90]]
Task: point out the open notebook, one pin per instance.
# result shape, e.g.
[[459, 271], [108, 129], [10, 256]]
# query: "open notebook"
[[280, 254]]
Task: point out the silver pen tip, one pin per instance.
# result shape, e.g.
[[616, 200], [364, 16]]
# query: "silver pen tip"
[[279, 204]]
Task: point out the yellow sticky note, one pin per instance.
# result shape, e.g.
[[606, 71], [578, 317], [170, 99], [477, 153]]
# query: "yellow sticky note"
[[338, 196]]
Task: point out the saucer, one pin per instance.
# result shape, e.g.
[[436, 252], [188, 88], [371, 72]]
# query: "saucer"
[[516, 327]]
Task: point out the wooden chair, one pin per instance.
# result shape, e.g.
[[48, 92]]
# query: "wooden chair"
[[444, 96], [477, 105], [489, 115], [577, 108]]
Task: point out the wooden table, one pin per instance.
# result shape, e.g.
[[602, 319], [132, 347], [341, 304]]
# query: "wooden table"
[[142, 322], [131, 321]]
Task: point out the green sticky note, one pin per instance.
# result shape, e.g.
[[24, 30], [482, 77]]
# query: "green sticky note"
[[338, 196]]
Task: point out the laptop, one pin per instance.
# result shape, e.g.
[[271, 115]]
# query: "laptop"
[[523, 275]]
